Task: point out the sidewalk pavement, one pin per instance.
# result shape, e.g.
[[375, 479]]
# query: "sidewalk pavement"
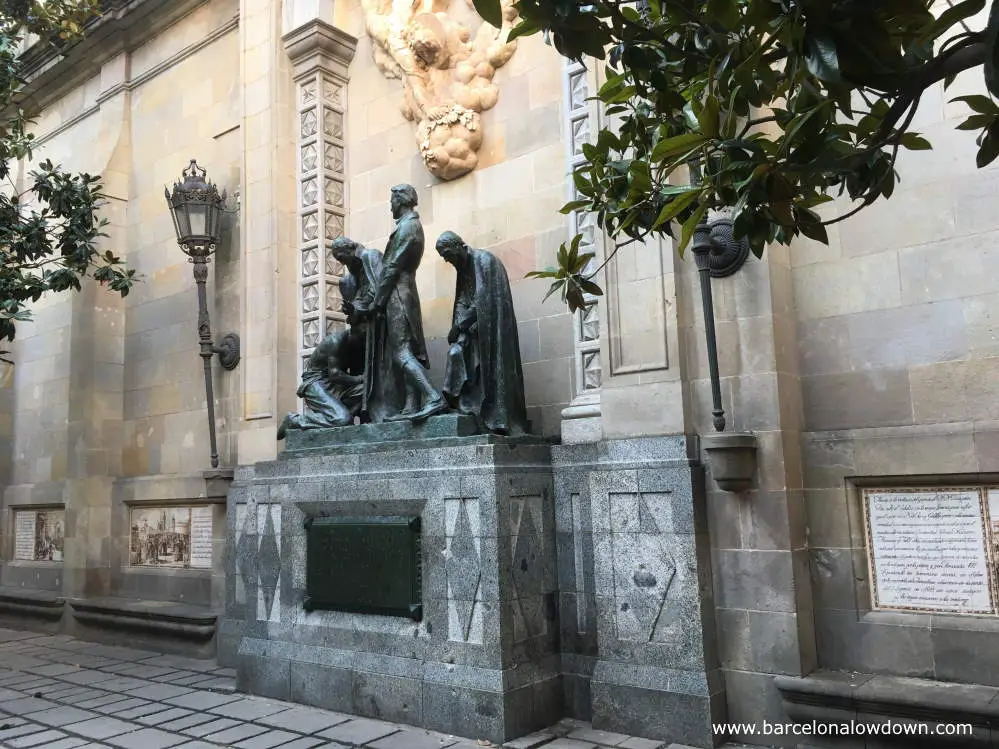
[[60, 693]]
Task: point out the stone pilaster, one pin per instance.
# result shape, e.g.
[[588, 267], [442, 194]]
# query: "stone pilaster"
[[268, 227], [320, 55], [581, 419], [97, 346]]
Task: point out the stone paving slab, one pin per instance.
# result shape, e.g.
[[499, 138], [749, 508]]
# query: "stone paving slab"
[[61, 693]]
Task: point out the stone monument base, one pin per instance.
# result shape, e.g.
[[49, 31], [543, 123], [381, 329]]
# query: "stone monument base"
[[483, 660]]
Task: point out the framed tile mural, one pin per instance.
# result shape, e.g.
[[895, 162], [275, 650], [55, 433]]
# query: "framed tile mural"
[[171, 537], [39, 535]]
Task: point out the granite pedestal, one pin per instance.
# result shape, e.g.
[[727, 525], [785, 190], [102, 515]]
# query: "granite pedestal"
[[483, 662], [637, 609]]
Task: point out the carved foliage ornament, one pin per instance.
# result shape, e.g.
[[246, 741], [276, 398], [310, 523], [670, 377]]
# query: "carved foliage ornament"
[[447, 74]]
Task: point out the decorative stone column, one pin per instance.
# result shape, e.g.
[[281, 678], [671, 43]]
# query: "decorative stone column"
[[581, 419], [320, 54]]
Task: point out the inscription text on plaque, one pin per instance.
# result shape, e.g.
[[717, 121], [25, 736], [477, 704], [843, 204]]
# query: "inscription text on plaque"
[[932, 549]]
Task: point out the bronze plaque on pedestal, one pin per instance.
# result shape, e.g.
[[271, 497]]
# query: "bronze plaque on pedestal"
[[368, 565]]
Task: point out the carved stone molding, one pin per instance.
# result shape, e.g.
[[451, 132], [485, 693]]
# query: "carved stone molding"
[[446, 72]]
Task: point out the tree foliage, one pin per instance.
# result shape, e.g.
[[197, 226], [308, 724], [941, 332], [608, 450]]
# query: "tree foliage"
[[49, 224], [768, 108]]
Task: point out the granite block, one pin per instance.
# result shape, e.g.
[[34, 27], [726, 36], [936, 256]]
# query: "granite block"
[[322, 686], [267, 677], [392, 698], [656, 713], [462, 711], [576, 697]]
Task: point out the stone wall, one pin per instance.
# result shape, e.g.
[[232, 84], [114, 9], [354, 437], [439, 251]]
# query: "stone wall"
[[898, 344], [107, 388]]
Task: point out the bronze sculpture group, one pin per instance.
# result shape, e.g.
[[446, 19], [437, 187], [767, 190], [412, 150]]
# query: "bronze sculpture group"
[[377, 369]]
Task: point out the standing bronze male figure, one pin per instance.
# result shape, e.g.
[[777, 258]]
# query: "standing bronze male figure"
[[484, 376], [403, 363]]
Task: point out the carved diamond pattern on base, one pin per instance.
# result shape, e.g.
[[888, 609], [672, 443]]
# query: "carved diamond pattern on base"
[[246, 548], [309, 157], [577, 89], [334, 192], [527, 566], [591, 370], [463, 567], [333, 325], [589, 323], [333, 157], [310, 297], [332, 123], [310, 227], [310, 192], [310, 123], [269, 562], [310, 333], [644, 555], [334, 226]]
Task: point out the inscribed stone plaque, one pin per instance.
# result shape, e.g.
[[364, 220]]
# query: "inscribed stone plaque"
[[39, 535], [929, 550], [201, 536], [367, 565], [171, 537]]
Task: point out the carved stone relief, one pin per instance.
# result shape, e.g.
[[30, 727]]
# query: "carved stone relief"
[[447, 74]]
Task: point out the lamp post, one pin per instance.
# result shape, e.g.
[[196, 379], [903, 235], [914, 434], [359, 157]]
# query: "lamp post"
[[718, 254], [197, 208]]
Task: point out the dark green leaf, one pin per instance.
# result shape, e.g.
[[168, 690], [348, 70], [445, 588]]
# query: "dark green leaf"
[[822, 59], [524, 28], [915, 142], [979, 103], [573, 205], [689, 226], [491, 11], [988, 150], [977, 122], [951, 16], [708, 118], [554, 287], [674, 208], [676, 145], [991, 66]]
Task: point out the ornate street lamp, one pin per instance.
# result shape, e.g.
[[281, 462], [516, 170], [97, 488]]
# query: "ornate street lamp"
[[197, 209], [731, 457], [718, 254]]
